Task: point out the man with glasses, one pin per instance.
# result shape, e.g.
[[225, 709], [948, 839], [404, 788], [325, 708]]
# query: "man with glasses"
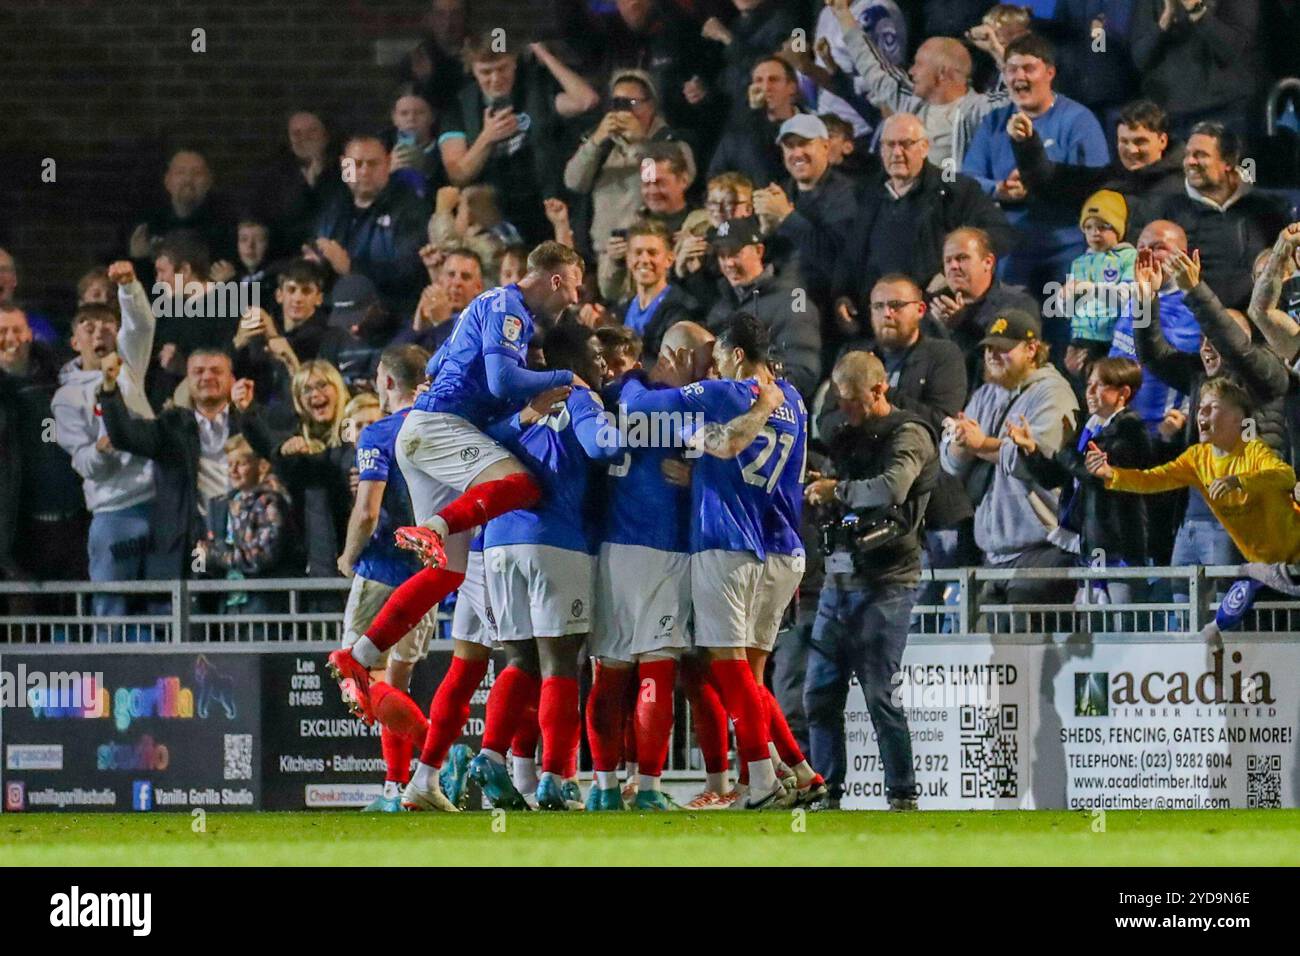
[[903, 217], [927, 377]]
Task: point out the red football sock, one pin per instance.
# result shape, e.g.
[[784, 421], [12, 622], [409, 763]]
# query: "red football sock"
[[606, 713], [741, 697], [450, 708], [571, 765], [654, 715], [709, 717], [527, 730], [397, 749], [513, 693], [397, 712], [629, 725], [779, 730], [410, 602], [482, 502], [561, 726]]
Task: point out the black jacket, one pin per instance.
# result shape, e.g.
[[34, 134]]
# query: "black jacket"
[[1113, 521], [676, 306], [748, 145], [819, 228], [931, 383], [318, 492], [796, 335], [1145, 188], [172, 441], [941, 207], [383, 241], [870, 451], [1192, 67], [1228, 240]]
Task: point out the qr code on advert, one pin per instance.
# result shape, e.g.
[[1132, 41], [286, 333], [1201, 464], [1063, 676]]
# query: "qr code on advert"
[[1263, 780], [239, 757], [990, 753]]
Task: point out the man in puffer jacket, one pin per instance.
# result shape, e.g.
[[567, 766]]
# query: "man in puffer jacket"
[[118, 486]]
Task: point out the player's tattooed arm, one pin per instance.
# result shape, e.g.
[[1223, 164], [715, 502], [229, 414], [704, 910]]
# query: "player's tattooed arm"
[[730, 439], [1280, 330]]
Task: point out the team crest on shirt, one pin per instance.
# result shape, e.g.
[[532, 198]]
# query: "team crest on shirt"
[[511, 328], [1110, 274]]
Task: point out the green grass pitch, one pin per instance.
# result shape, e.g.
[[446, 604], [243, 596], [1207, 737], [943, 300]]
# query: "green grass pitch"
[[1129, 838]]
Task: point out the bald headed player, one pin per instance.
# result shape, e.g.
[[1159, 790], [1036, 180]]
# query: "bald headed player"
[[642, 589]]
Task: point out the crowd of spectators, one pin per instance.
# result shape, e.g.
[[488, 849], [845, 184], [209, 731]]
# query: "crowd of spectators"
[[1046, 221]]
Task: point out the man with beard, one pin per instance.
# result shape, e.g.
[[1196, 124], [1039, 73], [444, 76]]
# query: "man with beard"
[[1013, 517]]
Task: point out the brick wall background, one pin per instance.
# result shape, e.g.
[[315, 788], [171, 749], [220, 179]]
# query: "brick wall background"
[[106, 87]]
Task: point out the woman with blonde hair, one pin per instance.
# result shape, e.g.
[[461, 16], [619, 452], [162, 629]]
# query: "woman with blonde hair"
[[320, 398], [314, 463]]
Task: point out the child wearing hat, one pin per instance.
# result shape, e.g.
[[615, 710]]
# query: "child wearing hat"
[[1098, 280]]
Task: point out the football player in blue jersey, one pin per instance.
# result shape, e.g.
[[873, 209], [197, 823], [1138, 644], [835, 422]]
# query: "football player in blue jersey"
[[371, 558], [745, 562], [539, 559], [459, 478]]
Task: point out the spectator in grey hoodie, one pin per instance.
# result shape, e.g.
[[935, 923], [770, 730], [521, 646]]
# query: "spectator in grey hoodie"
[[1013, 517], [118, 486]]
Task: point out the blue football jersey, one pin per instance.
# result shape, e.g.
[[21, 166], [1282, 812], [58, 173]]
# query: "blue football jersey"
[[787, 427], [641, 507], [497, 322], [559, 451], [382, 560], [730, 499]]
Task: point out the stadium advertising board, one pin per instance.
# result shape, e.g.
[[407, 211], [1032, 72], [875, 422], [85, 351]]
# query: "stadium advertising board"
[[1168, 726], [1092, 726], [315, 754], [968, 710], [129, 731]]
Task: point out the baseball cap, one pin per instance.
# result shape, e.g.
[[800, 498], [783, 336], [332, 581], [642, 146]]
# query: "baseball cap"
[[350, 300], [732, 234], [1011, 327], [807, 125]]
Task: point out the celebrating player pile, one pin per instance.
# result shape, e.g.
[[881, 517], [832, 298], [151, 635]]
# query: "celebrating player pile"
[[580, 525]]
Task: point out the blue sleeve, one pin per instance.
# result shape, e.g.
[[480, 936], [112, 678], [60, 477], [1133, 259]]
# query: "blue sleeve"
[[372, 457], [978, 161], [591, 425], [505, 430], [635, 397], [1090, 141], [509, 380]]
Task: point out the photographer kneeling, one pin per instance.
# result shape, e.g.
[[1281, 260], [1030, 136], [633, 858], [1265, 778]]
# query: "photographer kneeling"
[[888, 463]]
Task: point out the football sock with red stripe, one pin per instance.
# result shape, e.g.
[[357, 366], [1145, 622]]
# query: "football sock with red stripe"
[[479, 504], [561, 724], [654, 715], [409, 603], [450, 708]]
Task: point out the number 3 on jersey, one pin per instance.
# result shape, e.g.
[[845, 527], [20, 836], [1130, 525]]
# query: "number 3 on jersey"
[[771, 440]]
